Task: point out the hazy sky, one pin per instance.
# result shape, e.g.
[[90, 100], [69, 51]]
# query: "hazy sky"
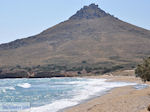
[[23, 18]]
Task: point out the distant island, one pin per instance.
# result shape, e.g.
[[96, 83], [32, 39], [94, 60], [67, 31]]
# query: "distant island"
[[91, 42]]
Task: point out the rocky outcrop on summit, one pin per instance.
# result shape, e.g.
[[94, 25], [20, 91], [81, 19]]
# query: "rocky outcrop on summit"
[[89, 12]]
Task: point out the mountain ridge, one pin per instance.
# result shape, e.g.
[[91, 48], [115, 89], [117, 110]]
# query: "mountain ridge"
[[90, 40], [74, 17]]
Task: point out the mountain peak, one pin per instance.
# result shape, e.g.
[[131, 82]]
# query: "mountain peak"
[[89, 12], [93, 5]]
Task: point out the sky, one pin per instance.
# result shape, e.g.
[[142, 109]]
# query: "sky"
[[24, 18]]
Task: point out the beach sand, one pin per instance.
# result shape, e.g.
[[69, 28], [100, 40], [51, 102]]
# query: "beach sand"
[[123, 99]]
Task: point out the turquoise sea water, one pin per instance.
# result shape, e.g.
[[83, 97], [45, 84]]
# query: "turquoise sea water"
[[54, 94]]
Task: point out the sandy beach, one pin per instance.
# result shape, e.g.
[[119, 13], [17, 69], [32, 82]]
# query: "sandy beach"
[[123, 99]]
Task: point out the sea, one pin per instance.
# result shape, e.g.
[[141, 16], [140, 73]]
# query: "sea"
[[51, 94]]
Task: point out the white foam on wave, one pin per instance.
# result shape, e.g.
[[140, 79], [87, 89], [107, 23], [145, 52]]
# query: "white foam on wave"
[[53, 107], [4, 89], [84, 90], [10, 88], [24, 85], [95, 87]]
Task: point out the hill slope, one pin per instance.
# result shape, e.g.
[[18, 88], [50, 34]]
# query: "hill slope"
[[91, 39]]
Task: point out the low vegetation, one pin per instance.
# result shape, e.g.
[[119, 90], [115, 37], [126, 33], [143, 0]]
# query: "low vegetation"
[[143, 70], [53, 70]]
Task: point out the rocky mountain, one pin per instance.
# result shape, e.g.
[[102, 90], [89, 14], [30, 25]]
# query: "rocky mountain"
[[91, 41]]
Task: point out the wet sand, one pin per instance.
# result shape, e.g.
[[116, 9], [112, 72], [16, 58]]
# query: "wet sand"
[[123, 99]]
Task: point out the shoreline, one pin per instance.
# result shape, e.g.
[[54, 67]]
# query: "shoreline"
[[120, 99], [87, 100]]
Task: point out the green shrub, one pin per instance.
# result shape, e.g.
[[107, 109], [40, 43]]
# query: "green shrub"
[[28, 69], [18, 66], [143, 70]]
